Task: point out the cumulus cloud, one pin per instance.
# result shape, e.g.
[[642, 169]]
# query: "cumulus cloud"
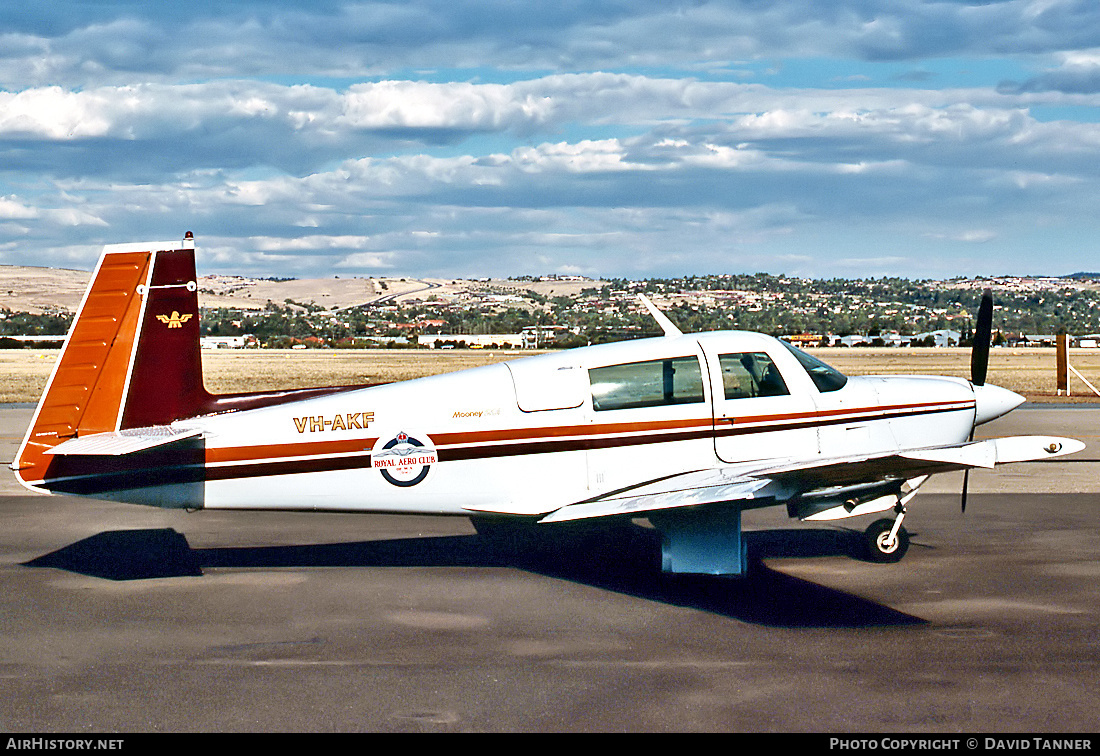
[[459, 105], [501, 137], [86, 44], [12, 209], [1077, 73], [973, 236]]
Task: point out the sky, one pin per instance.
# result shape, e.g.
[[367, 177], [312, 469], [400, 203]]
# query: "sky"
[[605, 138]]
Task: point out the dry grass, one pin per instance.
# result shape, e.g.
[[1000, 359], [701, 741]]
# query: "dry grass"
[[229, 371], [1027, 371], [1030, 372], [26, 371]]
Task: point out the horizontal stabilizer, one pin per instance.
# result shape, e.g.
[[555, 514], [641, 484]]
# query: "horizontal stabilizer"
[[123, 442]]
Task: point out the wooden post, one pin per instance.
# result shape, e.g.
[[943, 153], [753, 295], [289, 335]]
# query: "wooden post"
[[1062, 360]]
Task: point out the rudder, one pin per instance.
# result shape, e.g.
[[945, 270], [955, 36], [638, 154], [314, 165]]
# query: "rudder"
[[132, 357]]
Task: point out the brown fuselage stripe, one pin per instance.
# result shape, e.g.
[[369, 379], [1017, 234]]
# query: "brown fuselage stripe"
[[592, 436], [259, 461]]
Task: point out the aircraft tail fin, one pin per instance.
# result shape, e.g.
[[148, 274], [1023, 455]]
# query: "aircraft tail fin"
[[131, 358]]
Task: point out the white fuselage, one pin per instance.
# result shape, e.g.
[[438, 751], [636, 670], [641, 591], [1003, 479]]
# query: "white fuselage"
[[531, 435]]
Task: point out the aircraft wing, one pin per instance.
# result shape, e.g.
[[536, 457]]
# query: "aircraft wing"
[[902, 465], [784, 480], [688, 490]]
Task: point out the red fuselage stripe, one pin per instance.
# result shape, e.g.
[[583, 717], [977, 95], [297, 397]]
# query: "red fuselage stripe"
[[223, 463], [506, 442]]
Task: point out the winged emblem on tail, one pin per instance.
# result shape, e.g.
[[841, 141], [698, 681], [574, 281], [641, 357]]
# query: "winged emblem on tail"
[[175, 320]]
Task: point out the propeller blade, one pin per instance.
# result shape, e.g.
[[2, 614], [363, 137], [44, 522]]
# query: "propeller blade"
[[966, 481], [979, 362], [979, 353]]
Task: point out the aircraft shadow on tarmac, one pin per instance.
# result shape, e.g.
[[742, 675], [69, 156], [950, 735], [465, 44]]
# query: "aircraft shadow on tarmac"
[[625, 560]]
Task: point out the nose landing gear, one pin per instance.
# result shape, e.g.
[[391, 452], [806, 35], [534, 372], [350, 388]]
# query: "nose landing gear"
[[886, 541]]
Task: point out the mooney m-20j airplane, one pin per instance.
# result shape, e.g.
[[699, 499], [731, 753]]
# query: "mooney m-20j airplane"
[[685, 430]]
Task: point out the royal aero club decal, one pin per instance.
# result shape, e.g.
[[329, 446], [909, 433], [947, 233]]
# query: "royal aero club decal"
[[404, 460]]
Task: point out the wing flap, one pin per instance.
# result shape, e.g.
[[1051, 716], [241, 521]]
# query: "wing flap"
[[128, 441], [652, 502]]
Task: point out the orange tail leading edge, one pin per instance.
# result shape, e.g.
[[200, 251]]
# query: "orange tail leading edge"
[[131, 358], [131, 365]]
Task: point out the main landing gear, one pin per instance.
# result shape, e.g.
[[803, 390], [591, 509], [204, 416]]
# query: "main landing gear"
[[886, 541]]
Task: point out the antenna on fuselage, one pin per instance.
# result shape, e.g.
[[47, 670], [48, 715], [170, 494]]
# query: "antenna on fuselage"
[[667, 325]]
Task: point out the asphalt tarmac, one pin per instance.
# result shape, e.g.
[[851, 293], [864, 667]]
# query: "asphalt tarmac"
[[119, 618]]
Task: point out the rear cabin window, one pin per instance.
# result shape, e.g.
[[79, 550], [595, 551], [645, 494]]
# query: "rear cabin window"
[[751, 374], [654, 383]]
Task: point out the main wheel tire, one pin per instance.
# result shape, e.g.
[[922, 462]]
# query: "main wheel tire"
[[875, 540]]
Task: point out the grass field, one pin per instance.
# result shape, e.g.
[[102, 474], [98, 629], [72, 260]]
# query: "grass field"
[[24, 372]]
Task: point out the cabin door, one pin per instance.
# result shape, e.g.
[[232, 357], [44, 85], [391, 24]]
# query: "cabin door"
[[759, 412]]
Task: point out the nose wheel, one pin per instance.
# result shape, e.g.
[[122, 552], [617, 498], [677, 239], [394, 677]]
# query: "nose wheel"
[[886, 541]]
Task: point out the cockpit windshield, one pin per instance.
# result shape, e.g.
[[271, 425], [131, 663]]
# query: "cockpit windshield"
[[825, 377]]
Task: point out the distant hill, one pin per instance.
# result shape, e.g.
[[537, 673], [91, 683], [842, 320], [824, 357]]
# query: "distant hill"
[[41, 290], [1083, 277], [48, 290]]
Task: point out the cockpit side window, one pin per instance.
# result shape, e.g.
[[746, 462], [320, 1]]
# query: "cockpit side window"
[[825, 377], [654, 383], [751, 374]]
